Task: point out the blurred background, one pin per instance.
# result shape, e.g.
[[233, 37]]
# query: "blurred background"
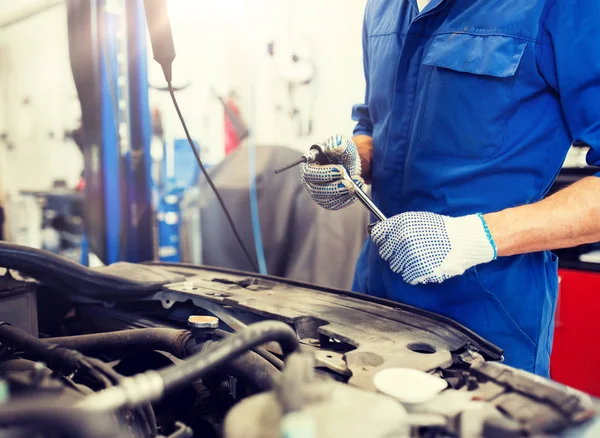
[[94, 163]]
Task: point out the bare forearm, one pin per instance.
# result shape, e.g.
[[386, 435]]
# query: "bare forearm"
[[568, 218]]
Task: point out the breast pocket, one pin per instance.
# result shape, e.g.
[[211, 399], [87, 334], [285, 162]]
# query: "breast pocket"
[[468, 95]]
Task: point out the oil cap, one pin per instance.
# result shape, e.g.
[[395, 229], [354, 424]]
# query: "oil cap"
[[203, 322]]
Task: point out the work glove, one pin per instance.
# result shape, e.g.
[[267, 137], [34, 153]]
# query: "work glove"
[[430, 248], [329, 185]]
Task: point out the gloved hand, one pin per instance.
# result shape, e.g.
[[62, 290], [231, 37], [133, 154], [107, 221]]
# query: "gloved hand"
[[329, 185], [430, 248]]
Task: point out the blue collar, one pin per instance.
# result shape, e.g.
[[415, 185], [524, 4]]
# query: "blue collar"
[[432, 5]]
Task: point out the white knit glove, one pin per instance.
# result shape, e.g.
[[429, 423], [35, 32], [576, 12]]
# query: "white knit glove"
[[330, 185], [430, 248]]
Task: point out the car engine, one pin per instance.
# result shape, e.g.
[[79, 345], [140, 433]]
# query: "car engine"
[[165, 350]]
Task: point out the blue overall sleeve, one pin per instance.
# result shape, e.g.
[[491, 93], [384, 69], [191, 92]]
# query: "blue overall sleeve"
[[360, 113], [570, 62]]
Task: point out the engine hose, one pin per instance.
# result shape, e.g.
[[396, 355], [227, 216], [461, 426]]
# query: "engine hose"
[[202, 363], [265, 354], [54, 355], [179, 343], [63, 358], [151, 385], [173, 341], [248, 367]]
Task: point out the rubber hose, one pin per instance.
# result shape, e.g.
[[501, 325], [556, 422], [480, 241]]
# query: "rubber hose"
[[53, 355], [180, 343], [68, 422], [248, 367], [202, 363], [173, 341], [152, 385], [265, 354]]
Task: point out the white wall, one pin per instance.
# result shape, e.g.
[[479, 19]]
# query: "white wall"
[[332, 29], [220, 44], [39, 103], [223, 44]]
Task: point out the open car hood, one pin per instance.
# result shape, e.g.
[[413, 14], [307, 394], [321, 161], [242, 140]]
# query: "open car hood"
[[351, 336], [366, 334]]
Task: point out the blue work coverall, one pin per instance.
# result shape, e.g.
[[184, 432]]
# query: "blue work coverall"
[[472, 106]]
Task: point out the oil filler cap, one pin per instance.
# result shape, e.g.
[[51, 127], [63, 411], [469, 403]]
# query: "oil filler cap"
[[203, 322]]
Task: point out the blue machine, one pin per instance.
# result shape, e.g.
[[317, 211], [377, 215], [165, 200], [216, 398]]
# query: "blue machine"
[[181, 173], [107, 44], [126, 135]]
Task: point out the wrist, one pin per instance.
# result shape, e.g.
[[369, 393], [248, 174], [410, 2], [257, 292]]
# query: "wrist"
[[488, 235], [364, 145], [498, 233]]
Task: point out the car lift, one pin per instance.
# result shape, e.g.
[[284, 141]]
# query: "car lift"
[[107, 42]]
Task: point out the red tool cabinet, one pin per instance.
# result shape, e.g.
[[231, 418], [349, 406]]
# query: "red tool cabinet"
[[576, 351]]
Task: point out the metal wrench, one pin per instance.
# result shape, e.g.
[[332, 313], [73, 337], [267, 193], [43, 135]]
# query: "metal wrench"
[[317, 155]]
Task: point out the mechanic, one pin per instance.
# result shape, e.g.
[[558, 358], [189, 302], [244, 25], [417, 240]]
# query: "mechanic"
[[471, 107]]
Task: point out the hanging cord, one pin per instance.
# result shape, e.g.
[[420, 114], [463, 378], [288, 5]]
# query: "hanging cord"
[[254, 212], [209, 180]]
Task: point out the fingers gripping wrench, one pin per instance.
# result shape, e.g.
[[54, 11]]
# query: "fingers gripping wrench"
[[316, 155]]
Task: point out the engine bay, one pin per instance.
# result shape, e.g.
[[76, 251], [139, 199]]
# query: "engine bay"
[[165, 350]]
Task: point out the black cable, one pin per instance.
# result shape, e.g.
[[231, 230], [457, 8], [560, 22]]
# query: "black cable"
[[161, 38], [54, 355], [262, 352], [209, 180]]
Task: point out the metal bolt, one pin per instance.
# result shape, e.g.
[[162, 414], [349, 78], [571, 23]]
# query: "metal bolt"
[[203, 322]]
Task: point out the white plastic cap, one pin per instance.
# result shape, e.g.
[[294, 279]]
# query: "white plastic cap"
[[409, 386]]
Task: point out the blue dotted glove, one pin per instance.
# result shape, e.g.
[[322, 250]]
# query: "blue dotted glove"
[[430, 248], [330, 185]]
